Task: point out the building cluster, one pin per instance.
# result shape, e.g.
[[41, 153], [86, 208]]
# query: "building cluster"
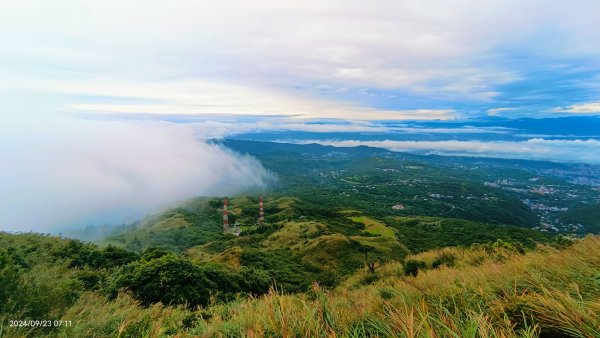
[[498, 183], [542, 206], [438, 196], [543, 190]]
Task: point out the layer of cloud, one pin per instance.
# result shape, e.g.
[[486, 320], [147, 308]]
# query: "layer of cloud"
[[585, 108], [499, 111], [201, 97], [436, 53], [582, 151], [71, 172], [218, 126]]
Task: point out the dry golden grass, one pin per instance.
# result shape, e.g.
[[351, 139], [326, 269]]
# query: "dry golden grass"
[[547, 291], [517, 295]]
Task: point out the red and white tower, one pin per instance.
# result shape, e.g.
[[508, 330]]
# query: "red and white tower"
[[225, 216], [261, 212]]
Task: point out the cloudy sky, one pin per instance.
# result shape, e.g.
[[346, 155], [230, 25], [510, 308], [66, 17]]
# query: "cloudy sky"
[[341, 59], [105, 105]]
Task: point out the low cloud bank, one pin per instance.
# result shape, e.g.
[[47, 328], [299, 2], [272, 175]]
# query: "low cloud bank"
[[72, 172], [219, 126], [579, 151]]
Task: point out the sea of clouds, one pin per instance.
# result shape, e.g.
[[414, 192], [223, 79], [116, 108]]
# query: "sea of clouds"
[[70, 172]]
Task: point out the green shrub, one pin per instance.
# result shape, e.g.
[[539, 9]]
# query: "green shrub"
[[169, 279], [510, 246], [445, 258], [387, 293], [412, 267], [87, 255], [90, 279], [154, 252], [562, 242], [172, 279], [369, 279], [10, 274]]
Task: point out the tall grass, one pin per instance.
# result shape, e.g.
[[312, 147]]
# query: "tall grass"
[[95, 316], [547, 292], [518, 295]]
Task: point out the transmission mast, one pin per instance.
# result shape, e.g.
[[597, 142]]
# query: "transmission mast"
[[225, 216], [261, 211]]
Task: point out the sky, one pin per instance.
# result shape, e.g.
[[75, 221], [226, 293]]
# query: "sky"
[[343, 59], [106, 106]]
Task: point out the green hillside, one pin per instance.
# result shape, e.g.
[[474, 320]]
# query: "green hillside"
[[586, 215], [373, 180], [321, 244], [177, 229]]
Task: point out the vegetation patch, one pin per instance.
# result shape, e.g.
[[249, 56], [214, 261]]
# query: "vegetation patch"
[[374, 227], [294, 235]]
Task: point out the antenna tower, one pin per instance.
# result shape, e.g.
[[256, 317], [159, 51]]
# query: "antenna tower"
[[225, 216], [261, 212]]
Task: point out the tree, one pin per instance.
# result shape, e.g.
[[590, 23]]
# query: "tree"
[[412, 267], [370, 260], [169, 279]]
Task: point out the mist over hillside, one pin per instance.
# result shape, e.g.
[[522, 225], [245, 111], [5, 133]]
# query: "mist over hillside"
[[70, 173]]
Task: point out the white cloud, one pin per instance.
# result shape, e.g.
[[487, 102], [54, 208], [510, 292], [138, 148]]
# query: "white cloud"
[[586, 108], [438, 49], [584, 151], [457, 130], [498, 111], [213, 126], [201, 97], [67, 172]]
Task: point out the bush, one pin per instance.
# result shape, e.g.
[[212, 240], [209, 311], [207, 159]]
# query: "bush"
[[445, 258], [169, 279], [369, 279], [562, 242], [86, 255], [228, 282], [153, 253], [387, 293], [412, 267], [510, 246], [47, 291], [284, 269], [90, 279], [10, 274]]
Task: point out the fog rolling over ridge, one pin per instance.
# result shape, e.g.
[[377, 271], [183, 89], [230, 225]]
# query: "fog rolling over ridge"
[[70, 173]]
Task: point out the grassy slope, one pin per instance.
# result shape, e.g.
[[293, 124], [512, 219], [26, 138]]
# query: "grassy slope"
[[327, 246], [374, 227], [491, 294], [177, 229]]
